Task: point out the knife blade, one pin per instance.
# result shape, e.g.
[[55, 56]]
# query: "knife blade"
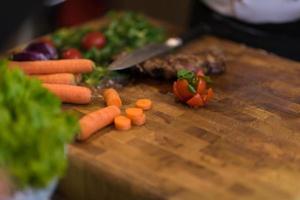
[[144, 53], [153, 50]]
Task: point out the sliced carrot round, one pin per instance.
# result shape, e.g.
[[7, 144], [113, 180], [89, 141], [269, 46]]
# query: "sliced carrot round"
[[133, 113], [139, 121], [122, 123], [144, 104]]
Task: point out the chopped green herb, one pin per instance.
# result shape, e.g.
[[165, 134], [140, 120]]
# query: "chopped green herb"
[[208, 79], [191, 88]]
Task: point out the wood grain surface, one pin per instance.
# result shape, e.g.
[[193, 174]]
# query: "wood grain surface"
[[244, 145]]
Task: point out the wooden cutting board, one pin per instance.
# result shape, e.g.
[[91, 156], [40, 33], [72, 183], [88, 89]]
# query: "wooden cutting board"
[[244, 145]]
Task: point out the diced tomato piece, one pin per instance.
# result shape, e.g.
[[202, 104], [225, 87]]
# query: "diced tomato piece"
[[200, 73], [175, 91], [201, 87], [209, 95], [195, 101], [183, 89]]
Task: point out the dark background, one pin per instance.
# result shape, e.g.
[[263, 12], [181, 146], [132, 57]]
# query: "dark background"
[[32, 18], [21, 21]]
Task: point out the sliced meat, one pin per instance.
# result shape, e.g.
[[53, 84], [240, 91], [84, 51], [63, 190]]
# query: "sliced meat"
[[167, 66]]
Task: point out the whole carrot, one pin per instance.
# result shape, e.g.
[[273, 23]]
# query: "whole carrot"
[[54, 66], [64, 78], [112, 97], [70, 93], [96, 120]]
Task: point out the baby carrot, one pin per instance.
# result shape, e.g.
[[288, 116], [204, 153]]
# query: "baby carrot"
[[122, 123], [64, 78], [70, 93], [54, 66], [144, 104], [96, 120], [112, 97]]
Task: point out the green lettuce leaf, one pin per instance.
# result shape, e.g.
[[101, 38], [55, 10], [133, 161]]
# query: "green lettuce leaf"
[[34, 130]]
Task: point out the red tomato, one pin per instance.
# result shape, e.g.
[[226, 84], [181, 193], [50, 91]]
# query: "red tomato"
[[175, 91], [195, 101], [201, 86], [93, 39], [200, 73], [71, 53], [209, 95], [183, 89]]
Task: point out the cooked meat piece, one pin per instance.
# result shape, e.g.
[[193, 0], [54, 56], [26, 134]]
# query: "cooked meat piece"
[[167, 66]]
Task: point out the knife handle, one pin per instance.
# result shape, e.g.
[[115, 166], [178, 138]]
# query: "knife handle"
[[194, 33]]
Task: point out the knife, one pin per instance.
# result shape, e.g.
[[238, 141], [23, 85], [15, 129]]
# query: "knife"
[[152, 50]]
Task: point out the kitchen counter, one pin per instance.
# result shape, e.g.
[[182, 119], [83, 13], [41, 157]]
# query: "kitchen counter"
[[244, 145]]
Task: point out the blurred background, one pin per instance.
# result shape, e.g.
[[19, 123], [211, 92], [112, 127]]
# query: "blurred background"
[[271, 25], [49, 15]]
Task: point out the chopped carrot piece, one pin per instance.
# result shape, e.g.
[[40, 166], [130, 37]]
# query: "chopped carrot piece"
[[112, 97], [122, 123], [139, 121], [144, 104], [133, 113]]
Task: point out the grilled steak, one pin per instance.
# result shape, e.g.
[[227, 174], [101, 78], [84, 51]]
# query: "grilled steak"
[[167, 66]]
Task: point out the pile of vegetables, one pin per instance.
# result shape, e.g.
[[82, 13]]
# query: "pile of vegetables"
[[192, 88], [60, 77], [33, 130], [96, 120], [124, 32]]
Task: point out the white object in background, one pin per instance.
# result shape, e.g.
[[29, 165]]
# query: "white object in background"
[[224, 7], [36, 194], [258, 11]]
